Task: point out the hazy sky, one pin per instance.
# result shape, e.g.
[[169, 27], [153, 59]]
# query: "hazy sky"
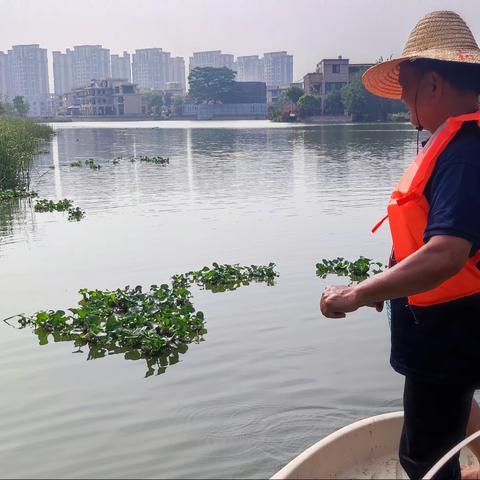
[[361, 30]]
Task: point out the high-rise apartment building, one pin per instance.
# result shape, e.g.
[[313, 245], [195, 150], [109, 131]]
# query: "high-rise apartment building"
[[150, 68], [27, 72], [121, 66], [176, 71], [249, 69], [213, 58], [62, 72], [90, 62], [278, 68], [3, 76], [78, 67]]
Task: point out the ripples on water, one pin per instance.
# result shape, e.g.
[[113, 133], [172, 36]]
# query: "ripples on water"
[[272, 376]]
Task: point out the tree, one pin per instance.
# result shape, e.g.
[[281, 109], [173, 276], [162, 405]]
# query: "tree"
[[354, 97], [334, 104], [178, 102], [210, 84], [364, 105], [293, 94], [309, 105], [20, 105], [6, 108], [155, 102]]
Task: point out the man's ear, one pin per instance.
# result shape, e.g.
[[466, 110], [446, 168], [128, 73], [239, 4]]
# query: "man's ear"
[[435, 84]]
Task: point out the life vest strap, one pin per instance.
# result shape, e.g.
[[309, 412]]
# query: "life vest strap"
[[379, 224]]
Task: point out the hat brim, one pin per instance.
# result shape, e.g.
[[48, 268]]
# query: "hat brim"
[[382, 79]]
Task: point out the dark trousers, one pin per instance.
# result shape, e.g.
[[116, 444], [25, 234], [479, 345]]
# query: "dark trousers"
[[436, 417]]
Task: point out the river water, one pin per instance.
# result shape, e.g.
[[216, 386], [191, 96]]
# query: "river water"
[[272, 376]]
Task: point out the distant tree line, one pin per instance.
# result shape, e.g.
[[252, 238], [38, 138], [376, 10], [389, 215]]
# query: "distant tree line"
[[217, 85], [158, 102], [357, 101], [18, 107], [353, 99]]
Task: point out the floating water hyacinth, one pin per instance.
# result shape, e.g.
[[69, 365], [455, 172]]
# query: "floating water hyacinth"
[[220, 278], [14, 194], [91, 163], [159, 160], [156, 325], [65, 205], [357, 270]]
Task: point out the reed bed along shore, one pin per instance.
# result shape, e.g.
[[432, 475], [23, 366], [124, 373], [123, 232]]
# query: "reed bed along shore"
[[20, 140]]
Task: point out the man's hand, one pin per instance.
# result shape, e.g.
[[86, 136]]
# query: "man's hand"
[[336, 301]]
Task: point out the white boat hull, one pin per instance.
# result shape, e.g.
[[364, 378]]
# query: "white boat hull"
[[365, 449]]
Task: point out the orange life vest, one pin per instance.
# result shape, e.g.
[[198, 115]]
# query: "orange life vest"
[[408, 210]]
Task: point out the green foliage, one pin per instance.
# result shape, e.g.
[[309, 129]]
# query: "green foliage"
[[357, 270], [44, 205], [274, 113], [145, 321], [220, 278], [155, 325], [293, 94], [363, 105], [65, 205], [178, 102], [334, 104], [6, 108], [20, 141], [309, 105], [159, 160], [75, 214], [77, 164], [7, 195], [92, 163], [155, 102], [20, 105], [210, 84]]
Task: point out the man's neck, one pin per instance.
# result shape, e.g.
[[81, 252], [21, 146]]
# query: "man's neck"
[[454, 109]]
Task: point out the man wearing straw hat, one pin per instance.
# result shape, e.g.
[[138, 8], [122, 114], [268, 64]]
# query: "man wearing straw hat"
[[433, 284]]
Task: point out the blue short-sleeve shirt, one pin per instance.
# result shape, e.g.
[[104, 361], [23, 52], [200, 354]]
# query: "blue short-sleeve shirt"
[[442, 342]]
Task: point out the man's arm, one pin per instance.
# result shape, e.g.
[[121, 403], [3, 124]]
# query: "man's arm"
[[441, 258]]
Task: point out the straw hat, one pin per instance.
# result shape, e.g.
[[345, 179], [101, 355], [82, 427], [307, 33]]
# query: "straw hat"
[[439, 35]]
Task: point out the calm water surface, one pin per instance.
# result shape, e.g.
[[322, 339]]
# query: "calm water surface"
[[272, 376]]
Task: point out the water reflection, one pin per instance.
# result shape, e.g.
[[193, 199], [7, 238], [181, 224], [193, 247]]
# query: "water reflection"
[[273, 376], [156, 365]]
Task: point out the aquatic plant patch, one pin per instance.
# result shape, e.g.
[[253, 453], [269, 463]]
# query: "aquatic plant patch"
[[14, 194], [357, 270], [75, 214], [220, 278], [77, 164], [145, 321], [158, 160], [156, 324], [44, 205], [65, 205], [92, 163]]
